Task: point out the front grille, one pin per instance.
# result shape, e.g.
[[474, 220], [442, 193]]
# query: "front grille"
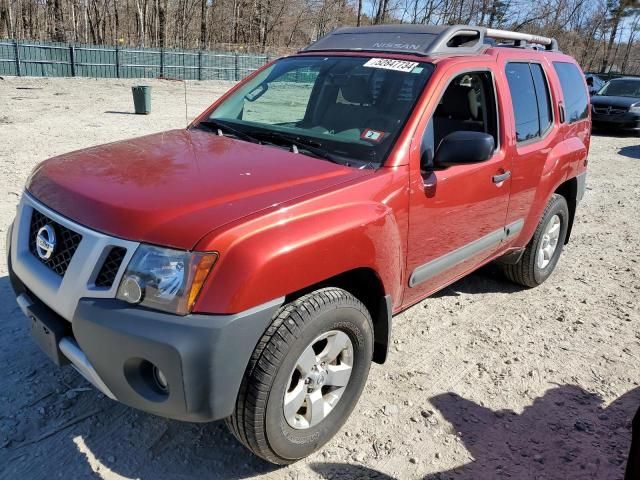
[[609, 110], [67, 242], [110, 267]]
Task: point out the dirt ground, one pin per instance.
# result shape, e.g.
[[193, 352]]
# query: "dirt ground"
[[485, 380]]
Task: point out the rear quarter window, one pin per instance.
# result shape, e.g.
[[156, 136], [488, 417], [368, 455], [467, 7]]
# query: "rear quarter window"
[[576, 100]]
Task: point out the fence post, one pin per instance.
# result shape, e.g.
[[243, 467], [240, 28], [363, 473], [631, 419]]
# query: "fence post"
[[162, 63], [72, 58], [18, 69], [117, 61], [236, 68], [199, 64]]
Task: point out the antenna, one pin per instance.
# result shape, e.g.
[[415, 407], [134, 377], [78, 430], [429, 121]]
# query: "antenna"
[[186, 107]]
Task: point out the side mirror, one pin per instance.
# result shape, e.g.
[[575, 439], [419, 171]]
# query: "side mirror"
[[464, 146]]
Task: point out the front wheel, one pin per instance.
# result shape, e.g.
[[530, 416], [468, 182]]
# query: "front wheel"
[[543, 251], [305, 376]]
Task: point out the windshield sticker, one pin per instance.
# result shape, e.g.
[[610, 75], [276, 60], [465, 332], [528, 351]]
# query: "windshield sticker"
[[391, 64], [372, 135]]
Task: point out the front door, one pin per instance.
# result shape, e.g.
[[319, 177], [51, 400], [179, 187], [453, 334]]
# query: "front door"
[[457, 214]]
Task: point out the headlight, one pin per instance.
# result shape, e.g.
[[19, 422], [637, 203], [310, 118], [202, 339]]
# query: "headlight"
[[165, 279], [635, 109]]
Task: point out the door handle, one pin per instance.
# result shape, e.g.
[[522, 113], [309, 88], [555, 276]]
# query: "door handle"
[[502, 177]]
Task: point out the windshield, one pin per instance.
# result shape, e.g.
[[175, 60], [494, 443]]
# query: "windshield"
[[344, 109], [621, 88]]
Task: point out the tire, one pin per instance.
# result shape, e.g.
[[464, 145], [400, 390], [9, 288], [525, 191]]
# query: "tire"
[[259, 420], [528, 271]]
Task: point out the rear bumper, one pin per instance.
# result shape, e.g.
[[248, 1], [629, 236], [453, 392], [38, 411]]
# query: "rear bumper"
[[114, 346]]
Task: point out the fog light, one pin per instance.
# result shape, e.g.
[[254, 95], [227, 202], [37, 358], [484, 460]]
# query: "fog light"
[[160, 379], [131, 289]]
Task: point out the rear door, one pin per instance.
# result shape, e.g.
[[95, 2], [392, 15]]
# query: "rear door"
[[532, 126], [545, 144]]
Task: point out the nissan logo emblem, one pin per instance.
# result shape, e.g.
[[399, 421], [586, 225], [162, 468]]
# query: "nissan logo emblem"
[[46, 242]]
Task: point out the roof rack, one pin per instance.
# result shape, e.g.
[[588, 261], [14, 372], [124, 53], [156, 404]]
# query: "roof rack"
[[427, 40], [520, 39]]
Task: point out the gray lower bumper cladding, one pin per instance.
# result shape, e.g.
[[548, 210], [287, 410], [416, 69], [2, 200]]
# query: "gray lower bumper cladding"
[[120, 350]]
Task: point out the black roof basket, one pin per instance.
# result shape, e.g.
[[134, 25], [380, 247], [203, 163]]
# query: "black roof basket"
[[427, 40]]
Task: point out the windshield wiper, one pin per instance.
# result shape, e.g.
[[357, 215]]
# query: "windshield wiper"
[[221, 127], [298, 144]]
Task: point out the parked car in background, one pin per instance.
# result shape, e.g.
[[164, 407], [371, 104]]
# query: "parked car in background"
[[594, 83], [247, 267], [617, 105]]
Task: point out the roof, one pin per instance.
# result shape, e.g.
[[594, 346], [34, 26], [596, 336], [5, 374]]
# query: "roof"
[[635, 79], [424, 40]]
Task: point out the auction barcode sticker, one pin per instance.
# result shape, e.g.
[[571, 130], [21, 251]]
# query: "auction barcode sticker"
[[390, 64]]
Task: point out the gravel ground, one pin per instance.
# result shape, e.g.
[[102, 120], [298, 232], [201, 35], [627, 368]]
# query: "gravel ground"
[[485, 380]]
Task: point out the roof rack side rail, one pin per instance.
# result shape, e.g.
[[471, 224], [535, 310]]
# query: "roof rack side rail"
[[425, 40], [456, 39], [549, 43]]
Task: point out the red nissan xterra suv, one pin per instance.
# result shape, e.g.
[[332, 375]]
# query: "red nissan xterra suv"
[[248, 267]]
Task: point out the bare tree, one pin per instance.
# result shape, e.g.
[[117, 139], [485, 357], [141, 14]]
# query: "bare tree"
[[203, 23], [601, 34], [617, 9]]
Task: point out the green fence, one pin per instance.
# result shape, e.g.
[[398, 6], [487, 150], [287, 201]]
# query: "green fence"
[[48, 59]]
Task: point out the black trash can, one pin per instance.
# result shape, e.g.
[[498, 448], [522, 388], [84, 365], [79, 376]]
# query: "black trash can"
[[142, 99]]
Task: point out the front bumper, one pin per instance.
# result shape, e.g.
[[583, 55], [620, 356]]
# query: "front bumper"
[[114, 346], [625, 121]]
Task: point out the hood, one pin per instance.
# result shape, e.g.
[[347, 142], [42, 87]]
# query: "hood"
[[173, 188], [621, 102]]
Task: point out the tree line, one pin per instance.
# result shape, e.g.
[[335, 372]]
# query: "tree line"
[[603, 35]]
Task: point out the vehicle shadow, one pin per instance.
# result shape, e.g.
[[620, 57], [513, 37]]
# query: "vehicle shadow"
[[631, 151], [53, 424], [567, 433], [488, 279], [612, 132], [347, 471], [119, 113]]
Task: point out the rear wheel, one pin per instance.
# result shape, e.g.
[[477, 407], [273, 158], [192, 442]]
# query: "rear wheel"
[[305, 376], [543, 251]]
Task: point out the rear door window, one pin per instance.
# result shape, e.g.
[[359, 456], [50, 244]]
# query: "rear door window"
[[531, 100], [523, 98], [576, 101], [542, 97]]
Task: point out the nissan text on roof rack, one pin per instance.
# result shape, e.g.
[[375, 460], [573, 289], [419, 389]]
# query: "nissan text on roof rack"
[[253, 277]]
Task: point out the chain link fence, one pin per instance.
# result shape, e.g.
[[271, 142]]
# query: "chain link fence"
[[48, 59]]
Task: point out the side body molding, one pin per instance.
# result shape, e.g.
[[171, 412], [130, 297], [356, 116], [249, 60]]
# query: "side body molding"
[[434, 267]]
